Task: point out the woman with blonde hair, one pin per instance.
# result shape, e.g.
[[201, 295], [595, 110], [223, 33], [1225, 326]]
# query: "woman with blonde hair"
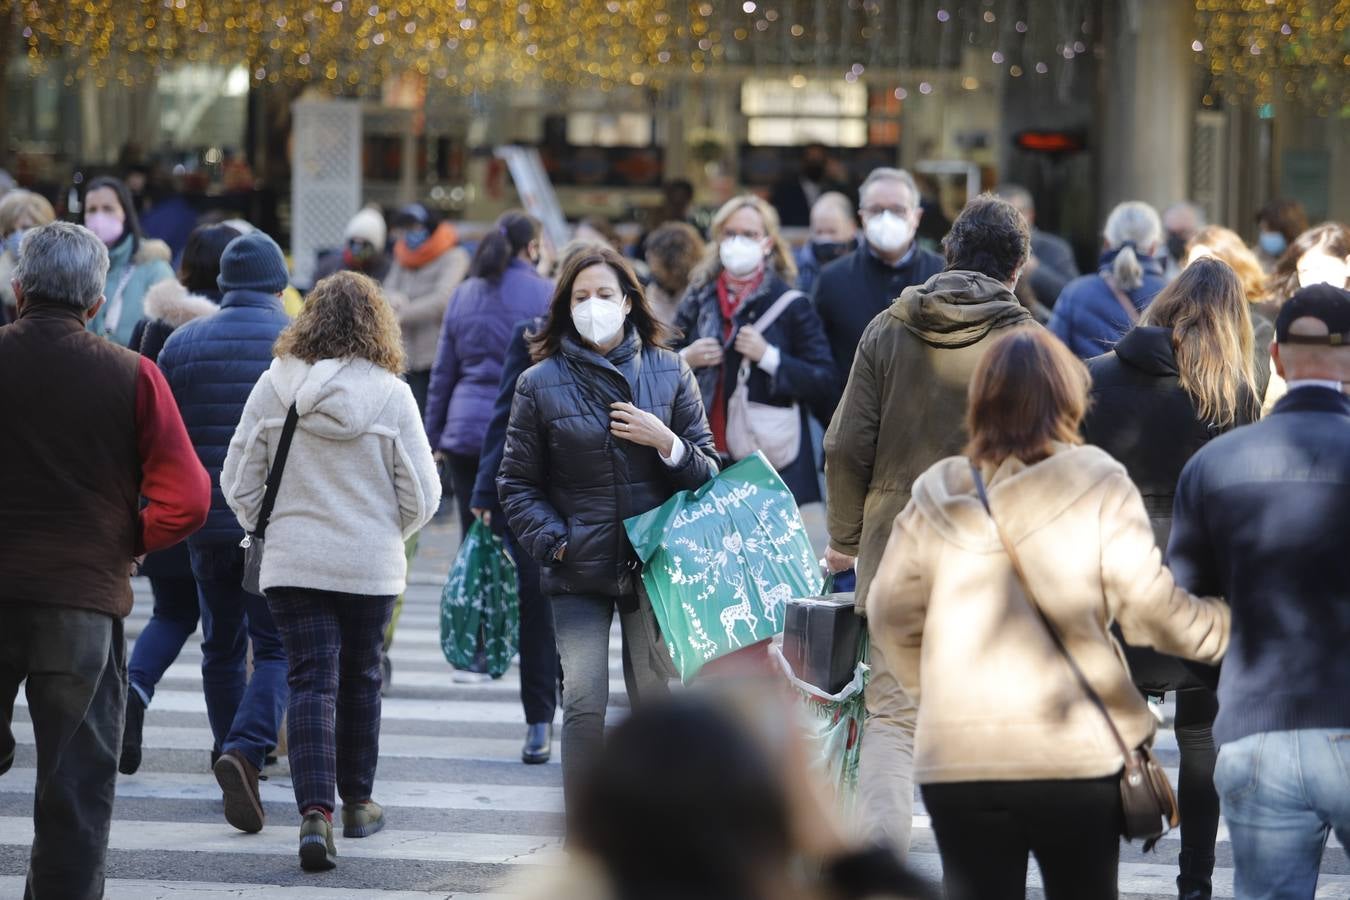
[[1094, 311], [742, 321], [1010, 743], [1180, 379], [1224, 244], [355, 478], [20, 210]]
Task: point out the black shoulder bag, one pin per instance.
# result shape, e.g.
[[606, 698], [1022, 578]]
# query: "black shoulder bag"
[[1146, 795], [253, 542]]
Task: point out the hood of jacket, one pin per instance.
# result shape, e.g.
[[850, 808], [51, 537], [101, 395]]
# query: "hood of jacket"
[[1149, 349], [338, 399], [170, 302], [153, 249], [1025, 498], [956, 309], [1151, 265]]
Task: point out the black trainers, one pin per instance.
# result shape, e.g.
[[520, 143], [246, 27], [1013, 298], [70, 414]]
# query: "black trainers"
[[131, 734]]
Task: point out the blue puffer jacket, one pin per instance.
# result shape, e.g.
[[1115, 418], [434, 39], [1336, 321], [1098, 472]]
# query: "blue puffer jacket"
[[212, 364], [468, 370], [1089, 318]]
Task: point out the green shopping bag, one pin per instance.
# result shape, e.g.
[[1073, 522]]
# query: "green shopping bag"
[[833, 726], [480, 607], [721, 562]]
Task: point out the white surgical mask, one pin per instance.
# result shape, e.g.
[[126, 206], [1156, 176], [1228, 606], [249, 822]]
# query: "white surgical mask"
[[741, 255], [888, 232], [599, 320], [1319, 268]]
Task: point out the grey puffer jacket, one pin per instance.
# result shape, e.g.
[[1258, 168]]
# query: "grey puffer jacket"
[[565, 480]]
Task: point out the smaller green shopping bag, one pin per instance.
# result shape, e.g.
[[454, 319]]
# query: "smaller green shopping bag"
[[480, 606]]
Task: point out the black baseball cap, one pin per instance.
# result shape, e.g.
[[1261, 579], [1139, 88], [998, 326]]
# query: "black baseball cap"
[[1324, 302]]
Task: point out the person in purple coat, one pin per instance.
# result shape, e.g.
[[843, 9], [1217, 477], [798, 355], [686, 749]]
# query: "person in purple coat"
[[502, 290]]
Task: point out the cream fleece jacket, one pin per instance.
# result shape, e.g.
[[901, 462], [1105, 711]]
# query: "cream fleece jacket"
[[360, 477], [996, 700]]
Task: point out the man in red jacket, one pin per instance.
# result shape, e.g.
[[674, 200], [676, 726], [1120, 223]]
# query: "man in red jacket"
[[89, 429]]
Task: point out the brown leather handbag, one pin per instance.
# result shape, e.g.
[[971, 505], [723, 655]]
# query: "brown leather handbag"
[[1146, 796]]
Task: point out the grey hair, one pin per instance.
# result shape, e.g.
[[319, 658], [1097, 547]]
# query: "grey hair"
[[841, 204], [1132, 228], [886, 173], [62, 263], [1017, 195]]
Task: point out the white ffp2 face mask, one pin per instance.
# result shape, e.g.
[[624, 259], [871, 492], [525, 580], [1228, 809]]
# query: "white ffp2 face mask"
[[888, 232], [740, 255], [599, 320]]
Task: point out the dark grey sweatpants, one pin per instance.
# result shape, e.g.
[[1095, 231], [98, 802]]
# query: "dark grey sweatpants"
[[74, 662]]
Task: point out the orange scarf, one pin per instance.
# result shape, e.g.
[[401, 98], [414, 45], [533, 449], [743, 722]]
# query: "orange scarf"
[[440, 240]]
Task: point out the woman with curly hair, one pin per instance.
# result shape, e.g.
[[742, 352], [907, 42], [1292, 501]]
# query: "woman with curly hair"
[[359, 479]]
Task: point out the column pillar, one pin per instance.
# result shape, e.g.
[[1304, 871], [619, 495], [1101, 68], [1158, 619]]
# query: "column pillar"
[[1148, 101]]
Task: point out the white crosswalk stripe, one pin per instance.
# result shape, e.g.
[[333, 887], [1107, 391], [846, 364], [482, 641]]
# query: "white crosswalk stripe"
[[465, 815]]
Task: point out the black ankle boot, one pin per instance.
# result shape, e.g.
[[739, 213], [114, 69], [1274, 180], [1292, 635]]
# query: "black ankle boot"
[[131, 734], [538, 744]]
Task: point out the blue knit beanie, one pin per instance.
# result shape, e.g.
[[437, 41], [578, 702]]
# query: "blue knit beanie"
[[253, 262]]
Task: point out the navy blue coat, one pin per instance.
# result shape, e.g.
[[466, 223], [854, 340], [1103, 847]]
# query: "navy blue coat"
[[1089, 318], [1261, 519], [805, 375], [516, 361], [212, 365]]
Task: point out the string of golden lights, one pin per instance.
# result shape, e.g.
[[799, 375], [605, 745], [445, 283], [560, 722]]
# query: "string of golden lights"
[[1263, 50], [1252, 49]]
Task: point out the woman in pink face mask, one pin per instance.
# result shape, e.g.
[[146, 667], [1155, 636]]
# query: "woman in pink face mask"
[[135, 264]]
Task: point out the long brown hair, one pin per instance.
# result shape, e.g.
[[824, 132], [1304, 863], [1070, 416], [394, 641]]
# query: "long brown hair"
[[1332, 238], [1028, 392], [1211, 338], [345, 316], [1225, 244], [548, 341]]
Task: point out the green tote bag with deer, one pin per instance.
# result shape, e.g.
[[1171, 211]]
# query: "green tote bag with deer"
[[721, 562]]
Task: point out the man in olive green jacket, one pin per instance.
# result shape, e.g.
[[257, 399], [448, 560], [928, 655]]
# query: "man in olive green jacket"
[[903, 410]]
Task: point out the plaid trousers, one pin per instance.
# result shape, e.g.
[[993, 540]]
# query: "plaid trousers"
[[333, 643]]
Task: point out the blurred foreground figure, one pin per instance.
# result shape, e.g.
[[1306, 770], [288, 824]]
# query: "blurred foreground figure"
[[1261, 517], [99, 431], [686, 802]]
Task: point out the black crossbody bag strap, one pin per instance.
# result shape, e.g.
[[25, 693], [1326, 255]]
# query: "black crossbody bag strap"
[[274, 473]]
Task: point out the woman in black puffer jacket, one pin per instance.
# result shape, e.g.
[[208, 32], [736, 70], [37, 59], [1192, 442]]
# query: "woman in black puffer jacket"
[[1181, 378], [608, 424]]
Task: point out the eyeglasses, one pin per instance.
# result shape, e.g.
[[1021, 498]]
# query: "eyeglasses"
[[898, 211]]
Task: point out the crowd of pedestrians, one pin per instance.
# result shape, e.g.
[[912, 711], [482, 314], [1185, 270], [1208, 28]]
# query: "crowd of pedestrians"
[[1064, 497]]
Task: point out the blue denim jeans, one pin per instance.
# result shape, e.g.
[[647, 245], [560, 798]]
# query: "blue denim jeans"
[[245, 713], [162, 639], [582, 627], [1283, 793]]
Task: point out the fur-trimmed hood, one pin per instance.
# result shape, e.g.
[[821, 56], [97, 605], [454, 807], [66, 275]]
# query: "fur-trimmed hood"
[[152, 249], [170, 302]]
